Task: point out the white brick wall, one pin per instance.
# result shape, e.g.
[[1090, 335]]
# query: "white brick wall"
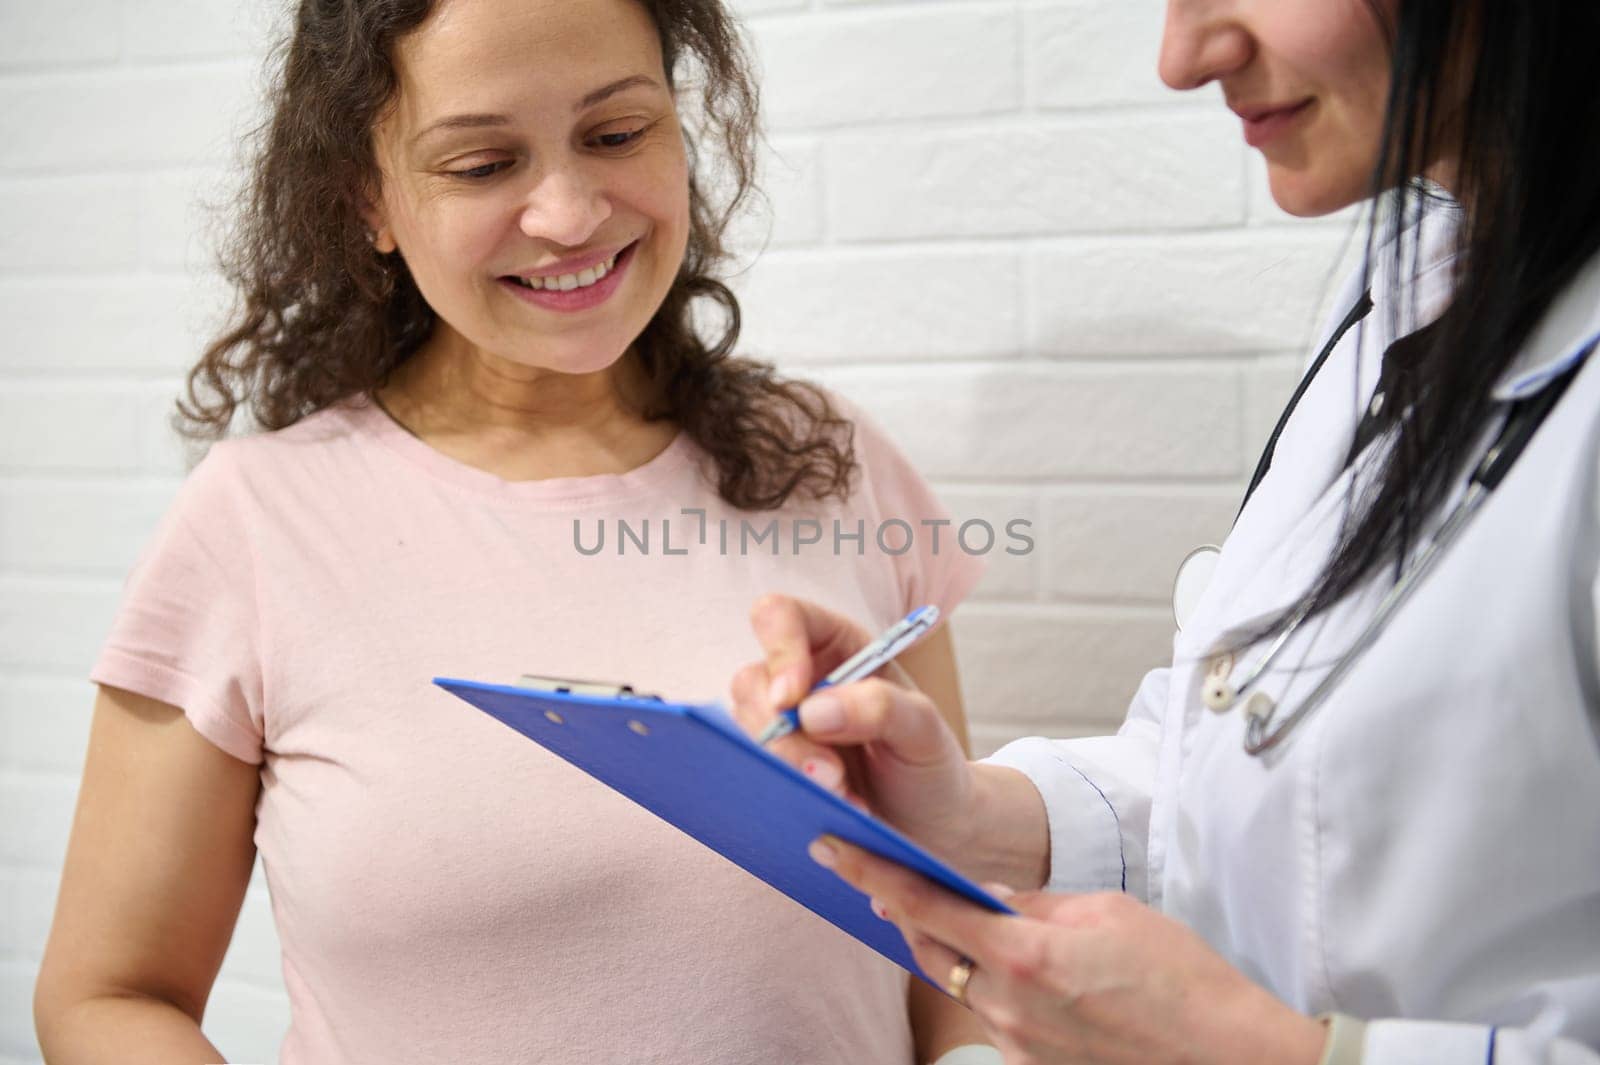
[[989, 209]]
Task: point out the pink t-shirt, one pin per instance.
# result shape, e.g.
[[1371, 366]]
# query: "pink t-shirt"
[[444, 889]]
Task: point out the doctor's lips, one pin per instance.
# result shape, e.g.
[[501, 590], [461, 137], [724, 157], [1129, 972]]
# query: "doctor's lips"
[[1264, 122], [574, 284]]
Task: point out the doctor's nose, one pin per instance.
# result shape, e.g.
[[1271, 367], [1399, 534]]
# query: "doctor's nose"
[[1202, 42], [565, 208]]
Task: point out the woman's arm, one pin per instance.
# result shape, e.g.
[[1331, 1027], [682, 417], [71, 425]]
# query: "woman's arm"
[[156, 871], [938, 1024]]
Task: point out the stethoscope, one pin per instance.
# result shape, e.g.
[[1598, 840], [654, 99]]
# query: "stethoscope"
[[1264, 729]]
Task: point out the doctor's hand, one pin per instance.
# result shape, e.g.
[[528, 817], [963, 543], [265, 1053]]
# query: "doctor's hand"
[[883, 744], [879, 742], [1084, 978]]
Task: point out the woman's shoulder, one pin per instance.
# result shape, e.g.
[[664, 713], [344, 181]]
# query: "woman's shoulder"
[[879, 454], [246, 463], [337, 426], [886, 479]]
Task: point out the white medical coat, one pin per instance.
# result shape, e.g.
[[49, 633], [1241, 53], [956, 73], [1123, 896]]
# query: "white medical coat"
[[1424, 849]]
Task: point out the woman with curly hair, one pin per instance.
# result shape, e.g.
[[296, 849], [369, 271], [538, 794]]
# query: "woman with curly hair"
[[468, 266]]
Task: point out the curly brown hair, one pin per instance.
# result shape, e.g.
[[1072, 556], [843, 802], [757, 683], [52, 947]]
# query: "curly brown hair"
[[322, 317]]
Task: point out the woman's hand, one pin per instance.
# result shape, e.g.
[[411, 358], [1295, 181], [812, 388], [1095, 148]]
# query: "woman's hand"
[[1084, 978], [879, 742]]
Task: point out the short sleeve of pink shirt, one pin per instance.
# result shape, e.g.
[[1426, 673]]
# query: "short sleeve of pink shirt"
[[443, 889], [932, 568], [188, 633]]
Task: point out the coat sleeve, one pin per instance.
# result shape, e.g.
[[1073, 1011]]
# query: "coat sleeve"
[[1097, 793], [1409, 1042]]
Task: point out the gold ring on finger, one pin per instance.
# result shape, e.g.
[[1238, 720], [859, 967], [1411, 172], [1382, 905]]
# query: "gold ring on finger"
[[960, 976]]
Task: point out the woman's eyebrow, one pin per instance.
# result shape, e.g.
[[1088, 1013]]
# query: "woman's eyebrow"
[[615, 87], [462, 122], [478, 121]]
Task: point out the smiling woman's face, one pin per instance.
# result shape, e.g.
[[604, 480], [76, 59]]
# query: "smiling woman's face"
[[1309, 80], [534, 176]]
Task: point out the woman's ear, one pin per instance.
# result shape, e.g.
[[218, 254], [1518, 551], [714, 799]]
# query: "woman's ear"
[[372, 214], [378, 233], [383, 240]]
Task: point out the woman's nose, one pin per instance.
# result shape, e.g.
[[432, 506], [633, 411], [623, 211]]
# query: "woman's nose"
[[565, 208], [1202, 42]]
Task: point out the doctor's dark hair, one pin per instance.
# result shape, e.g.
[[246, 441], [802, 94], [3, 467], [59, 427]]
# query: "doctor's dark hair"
[[321, 316], [1507, 88]]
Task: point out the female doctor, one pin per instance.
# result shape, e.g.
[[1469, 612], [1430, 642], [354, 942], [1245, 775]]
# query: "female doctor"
[[1357, 818]]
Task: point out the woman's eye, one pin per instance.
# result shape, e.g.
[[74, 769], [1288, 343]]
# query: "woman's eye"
[[478, 173], [618, 140]]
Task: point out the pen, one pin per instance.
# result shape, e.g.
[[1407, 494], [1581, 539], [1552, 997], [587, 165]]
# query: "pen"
[[865, 662]]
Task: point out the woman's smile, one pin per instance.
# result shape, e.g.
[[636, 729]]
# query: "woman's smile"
[[568, 287]]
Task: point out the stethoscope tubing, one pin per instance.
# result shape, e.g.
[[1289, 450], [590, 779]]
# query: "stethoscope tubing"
[[1258, 739], [1515, 434]]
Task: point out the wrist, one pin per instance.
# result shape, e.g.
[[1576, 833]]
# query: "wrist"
[[1003, 831], [1258, 1028], [1304, 1040]]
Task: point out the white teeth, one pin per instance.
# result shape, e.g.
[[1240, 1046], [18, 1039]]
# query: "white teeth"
[[568, 282]]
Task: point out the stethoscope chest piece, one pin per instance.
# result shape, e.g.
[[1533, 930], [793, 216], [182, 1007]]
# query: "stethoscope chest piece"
[[1194, 577]]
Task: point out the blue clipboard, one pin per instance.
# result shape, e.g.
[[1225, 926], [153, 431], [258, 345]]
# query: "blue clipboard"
[[693, 767]]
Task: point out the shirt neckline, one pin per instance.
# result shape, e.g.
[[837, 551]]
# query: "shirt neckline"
[[651, 476], [1564, 334]]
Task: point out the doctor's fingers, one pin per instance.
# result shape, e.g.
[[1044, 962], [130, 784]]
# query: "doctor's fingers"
[[802, 643], [880, 711], [1024, 1029], [750, 691], [754, 711], [1011, 947]]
